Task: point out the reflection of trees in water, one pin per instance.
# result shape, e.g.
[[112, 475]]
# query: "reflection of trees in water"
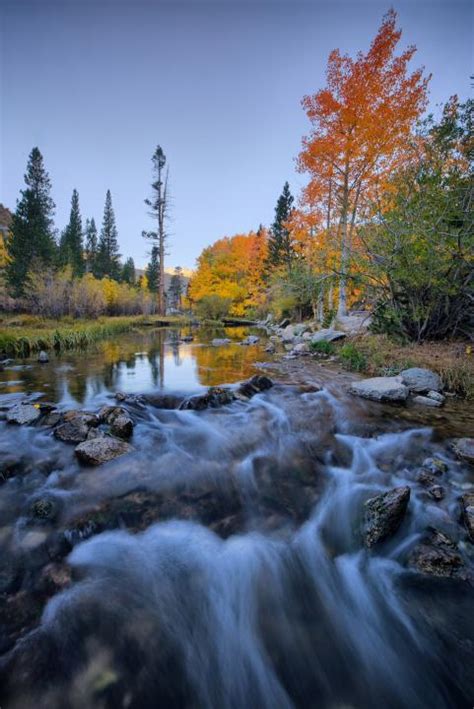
[[219, 365], [156, 358]]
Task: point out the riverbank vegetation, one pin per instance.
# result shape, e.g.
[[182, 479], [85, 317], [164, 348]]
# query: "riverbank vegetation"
[[23, 335], [385, 221]]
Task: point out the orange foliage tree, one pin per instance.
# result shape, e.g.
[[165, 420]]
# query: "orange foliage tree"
[[360, 125], [232, 268]]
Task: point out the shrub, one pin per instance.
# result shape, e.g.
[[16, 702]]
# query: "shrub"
[[213, 307], [353, 358], [322, 347]]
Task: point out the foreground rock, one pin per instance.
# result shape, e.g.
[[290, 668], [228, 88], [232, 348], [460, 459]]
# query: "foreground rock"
[[73, 431], [23, 414], [384, 514], [97, 451], [464, 449], [467, 508], [421, 380], [427, 401], [327, 335], [436, 555], [220, 396], [380, 389], [120, 422]]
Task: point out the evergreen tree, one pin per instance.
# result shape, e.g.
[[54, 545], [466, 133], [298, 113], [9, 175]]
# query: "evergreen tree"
[[92, 246], [280, 247], [153, 270], [176, 287], [31, 243], [128, 272], [108, 256], [71, 244]]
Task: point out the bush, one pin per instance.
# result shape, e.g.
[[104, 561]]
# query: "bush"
[[213, 307], [353, 358], [326, 348]]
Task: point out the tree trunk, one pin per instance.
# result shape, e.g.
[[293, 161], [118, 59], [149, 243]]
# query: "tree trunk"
[[342, 305]]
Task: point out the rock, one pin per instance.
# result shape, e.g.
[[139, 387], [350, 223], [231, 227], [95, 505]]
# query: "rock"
[[437, 396], [43, 357], [54, 578], [380, 389], [421, 380], [284, 323], [427, 401], [213, 398], [436, 555], [165, 401], [101, 450], [464, 449], [426, 478], [270, 348], [23, 413], [384, 514], [327, 335], [301, 348], [187, 338], [95, 433], [288, 334], [45, 509], [467, 509], [74, 431], [435, 466], [217, 341], [122, 426], [437, 492], [253, 386], [250, 340]]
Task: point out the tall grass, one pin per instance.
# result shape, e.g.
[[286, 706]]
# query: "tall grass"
[[25, 335]]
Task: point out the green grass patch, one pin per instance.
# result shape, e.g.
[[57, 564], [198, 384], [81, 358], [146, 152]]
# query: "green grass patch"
[[322, 347], [353, 358]]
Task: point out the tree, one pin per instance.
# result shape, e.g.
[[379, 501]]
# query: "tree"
[[108, 256], [71, 244], [175, 291], [153, 273], [159, 207], [361, 122], [128, 272], [280, 247], [31, 242], [92, 246]]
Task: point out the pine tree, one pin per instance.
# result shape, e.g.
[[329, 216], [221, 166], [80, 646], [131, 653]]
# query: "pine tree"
[[153, 270], [128, 272], [280, 248], [31, 244], [176, 288], [108, 256], [71, 244], [159, 205], [92, 246]]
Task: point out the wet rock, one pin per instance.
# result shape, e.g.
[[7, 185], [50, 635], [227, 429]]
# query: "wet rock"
[[45, 509], [100, 450], [52, 419], [43, 357], [427, 401], [134, 399], [213, 398], [218, 341], [74, 431], [437, 492], [435, 466], [464, 449], [436, 555], [384, 514], [253, 386], [301, 349], [284, 323], [467, 509], [250, 340], [165, 401], [23, 413], [54, 578], [436, 396], [328, 335], [86, 416], [421, 380], [122, 426], [426, 478], [380, 389], [95, 433]]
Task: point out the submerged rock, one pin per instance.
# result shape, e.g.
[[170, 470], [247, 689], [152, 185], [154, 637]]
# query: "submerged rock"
[[250, 340], [435, 466], [23, 413], [43, 357], [467, 509], [421, 380], [464, 449], [45, 509], [384, 514], [436, 555], [427, 401], [380, 389], [220, 396], [100, 450]]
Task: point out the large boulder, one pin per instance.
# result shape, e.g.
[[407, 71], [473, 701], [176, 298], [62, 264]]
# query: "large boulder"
[[464, 449], [74, 431], [436, 555], [327, 335], [384, 514], [288, 334], [23, 413], [380, 389], [467, 509], [421, 380], [100, 450]]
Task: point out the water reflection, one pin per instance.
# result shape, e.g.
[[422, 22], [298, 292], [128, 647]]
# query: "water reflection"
[[141, 361]]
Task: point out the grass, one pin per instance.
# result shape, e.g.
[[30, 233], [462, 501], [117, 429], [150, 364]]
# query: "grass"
[[23, 335], [322, 347], [376, 355]]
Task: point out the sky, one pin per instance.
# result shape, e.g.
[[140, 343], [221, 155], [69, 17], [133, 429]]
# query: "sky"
[[98, 84]]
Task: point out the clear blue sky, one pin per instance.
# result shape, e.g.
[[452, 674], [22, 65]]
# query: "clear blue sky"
[[97, 85]]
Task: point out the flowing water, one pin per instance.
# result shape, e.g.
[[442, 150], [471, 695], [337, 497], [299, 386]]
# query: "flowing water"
[[221, 564]]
